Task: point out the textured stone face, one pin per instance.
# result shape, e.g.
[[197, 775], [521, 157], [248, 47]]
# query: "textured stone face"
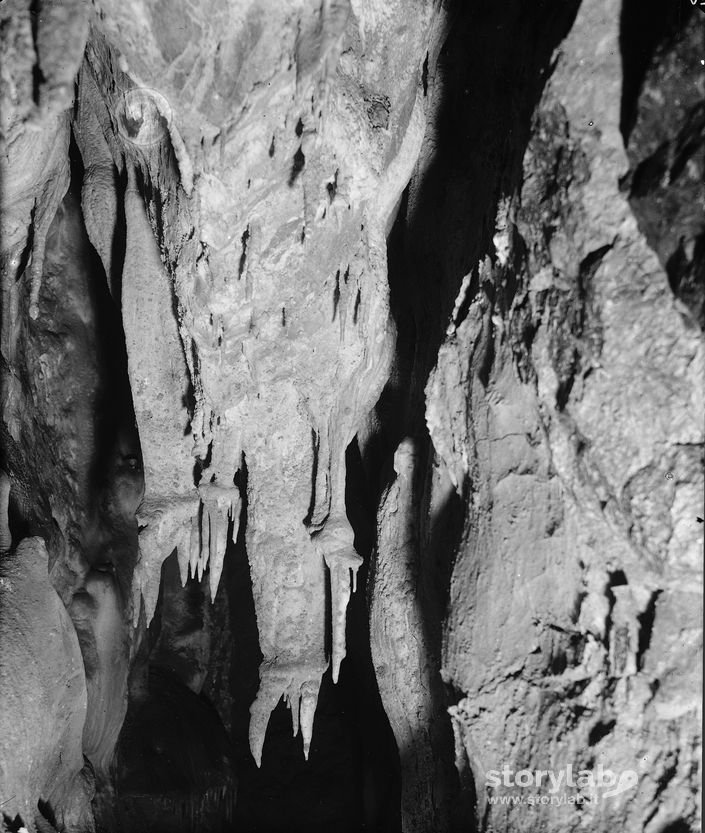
[[44, 692], [577, 551], [261, 236]]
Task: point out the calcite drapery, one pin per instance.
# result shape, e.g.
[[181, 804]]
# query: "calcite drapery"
[[159, 382], [289, 179]]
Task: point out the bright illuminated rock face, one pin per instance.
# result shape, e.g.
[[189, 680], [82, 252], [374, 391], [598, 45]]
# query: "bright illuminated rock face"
[[278, 344]]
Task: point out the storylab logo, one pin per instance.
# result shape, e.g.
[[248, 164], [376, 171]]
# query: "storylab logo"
[[556, 787]]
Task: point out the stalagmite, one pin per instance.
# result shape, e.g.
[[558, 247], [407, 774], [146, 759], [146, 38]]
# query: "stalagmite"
[[97, 611], [398, 605]]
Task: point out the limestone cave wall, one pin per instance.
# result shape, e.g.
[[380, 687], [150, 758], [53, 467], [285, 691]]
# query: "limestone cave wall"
[[352, 415]]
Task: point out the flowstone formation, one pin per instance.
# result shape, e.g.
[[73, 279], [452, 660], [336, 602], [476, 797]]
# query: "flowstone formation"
[[352, 364], [277, 342], [253, 179]]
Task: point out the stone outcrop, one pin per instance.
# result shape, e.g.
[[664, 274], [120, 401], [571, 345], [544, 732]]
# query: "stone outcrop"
[[44, 699]]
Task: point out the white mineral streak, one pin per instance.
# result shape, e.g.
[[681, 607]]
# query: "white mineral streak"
[[155, 364]]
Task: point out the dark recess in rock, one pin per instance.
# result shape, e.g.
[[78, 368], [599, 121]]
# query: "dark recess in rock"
[[599, 731], [663, 122]]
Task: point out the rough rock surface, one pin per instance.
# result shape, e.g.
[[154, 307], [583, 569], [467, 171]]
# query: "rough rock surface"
[[44, 697], [579, 445], [302, 296]]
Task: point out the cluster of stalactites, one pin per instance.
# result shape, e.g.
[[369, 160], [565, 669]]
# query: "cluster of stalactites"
[[300, 685], [220, 506], [302, 703], [299, 681]]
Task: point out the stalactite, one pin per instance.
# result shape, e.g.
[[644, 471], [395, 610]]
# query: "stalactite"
[[99, 198], [309, 701], [299, 684], [188, 560], [43, 214], [268, 695], [62, 30], [219, 506], [293, 701], [155, 362], [335, 542]]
